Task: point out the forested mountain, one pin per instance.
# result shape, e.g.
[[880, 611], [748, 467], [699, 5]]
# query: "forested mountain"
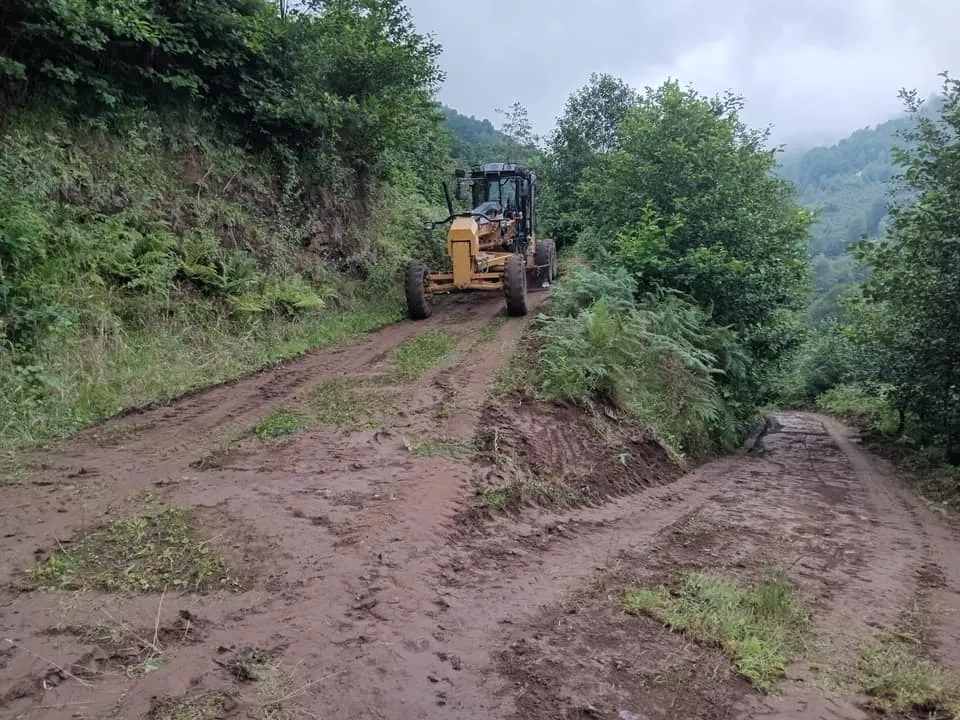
[[472, 140], [849, 182], [890, 353], [851, 185]]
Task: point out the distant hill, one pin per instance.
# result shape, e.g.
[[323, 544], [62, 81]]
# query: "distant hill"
[[850, 182], [474, 140]]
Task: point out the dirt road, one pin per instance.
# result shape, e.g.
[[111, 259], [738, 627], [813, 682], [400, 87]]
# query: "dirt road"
[[385, 568]]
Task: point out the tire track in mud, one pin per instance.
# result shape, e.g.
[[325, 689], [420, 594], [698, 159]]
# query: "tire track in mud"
[[807, 500], [340, 518], [383, 602]]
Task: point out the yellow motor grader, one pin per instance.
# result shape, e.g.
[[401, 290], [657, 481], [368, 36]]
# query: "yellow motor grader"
[[492, 247]]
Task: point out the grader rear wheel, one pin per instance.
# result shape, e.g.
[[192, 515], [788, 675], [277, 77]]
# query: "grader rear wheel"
[[515, 285], [545, 259], [418, 304]]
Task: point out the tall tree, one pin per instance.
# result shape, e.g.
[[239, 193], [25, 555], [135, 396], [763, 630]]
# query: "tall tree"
[[689, 201], [910, 310], [589, 126]]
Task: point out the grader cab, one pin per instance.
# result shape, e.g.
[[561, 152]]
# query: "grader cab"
[[491, 248]]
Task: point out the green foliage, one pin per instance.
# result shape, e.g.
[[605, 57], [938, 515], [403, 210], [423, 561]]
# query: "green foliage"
[[143, 553], [906, 319], [582, 288], [473, 141], [343, 76], [279, 423], [866, 406], [189, 190], [415, 356], [849, 184], [828, 358], [689, 200], [674, 197], [588, 128], [74, 379], [650, 359], [761, 628]]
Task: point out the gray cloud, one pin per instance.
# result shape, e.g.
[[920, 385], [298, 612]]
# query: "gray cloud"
[[814, 69]]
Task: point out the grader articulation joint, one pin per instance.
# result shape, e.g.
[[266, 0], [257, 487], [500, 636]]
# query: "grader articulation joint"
[[492, 247]]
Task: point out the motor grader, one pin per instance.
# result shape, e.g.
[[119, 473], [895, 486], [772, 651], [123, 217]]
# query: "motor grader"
[[491, 248]]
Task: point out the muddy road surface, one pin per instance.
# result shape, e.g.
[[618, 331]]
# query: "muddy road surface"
[[407, 540]]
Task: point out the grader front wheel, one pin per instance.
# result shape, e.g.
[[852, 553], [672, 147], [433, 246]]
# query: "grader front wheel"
[[418, 303], [515, 285]]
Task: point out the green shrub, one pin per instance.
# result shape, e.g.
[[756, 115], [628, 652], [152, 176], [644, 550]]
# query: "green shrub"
[[650, 361], [867, 406], [584, 287], [827, 359]]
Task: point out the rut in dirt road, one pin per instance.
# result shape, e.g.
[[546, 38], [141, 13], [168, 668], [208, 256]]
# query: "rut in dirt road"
[[377, 584]]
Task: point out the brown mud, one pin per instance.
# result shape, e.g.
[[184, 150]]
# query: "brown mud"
[[442, 554]]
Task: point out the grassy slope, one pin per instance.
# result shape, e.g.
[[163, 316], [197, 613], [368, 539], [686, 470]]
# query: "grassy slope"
[[163, 259]]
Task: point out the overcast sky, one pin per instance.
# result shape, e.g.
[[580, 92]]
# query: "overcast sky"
[[814, 69]]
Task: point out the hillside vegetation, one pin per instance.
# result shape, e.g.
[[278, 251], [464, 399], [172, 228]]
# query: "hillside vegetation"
[[887, 355], [696, 274], [190, 190], [194, 190]]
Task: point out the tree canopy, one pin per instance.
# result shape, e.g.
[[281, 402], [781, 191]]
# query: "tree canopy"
[[908, 312], [671, 188]]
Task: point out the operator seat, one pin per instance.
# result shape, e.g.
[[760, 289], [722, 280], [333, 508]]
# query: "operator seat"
[[491, 207]]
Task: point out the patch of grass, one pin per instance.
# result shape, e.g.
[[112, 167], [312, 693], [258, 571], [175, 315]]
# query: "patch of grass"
[[84, 379], [892, 670], [279, 423], [761, 628], [143, 553], [552, 494], [198, 707], [271, 682], [449, 449], [341, 403], [892, 673], [416, 355]]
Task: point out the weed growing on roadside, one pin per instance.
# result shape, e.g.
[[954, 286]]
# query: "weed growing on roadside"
[[517, 376], [761, 628], [892, 670], [279, 423], [415, 356], [86, 379], [143, 553], [892, 673]]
